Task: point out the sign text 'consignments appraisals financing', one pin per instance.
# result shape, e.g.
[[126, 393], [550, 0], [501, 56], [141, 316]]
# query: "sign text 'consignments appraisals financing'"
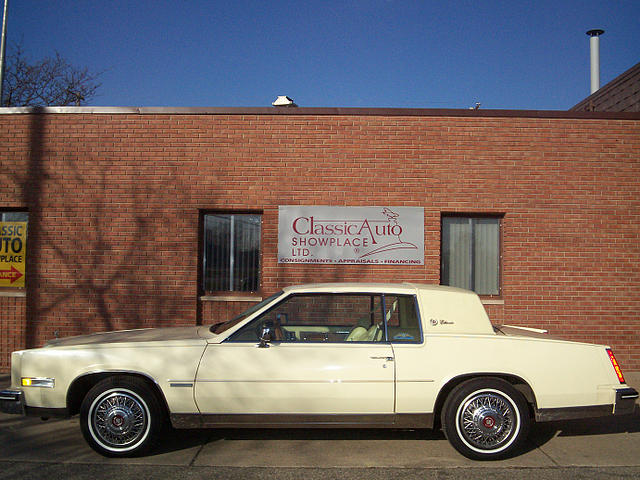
[[351, 235]]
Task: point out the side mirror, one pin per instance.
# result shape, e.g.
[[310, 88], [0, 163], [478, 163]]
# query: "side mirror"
[[266, 335]]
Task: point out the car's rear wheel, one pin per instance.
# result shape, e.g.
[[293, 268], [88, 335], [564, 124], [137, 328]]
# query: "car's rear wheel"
[[485, 418], [121, 417]]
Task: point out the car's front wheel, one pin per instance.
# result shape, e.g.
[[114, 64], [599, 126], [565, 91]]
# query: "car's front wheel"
[[121, 417], [485, 418]]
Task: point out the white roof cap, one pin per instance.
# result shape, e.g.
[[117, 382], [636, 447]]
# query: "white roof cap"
[[283, 101]]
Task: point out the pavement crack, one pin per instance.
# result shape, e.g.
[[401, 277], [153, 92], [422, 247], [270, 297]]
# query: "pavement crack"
[[548, 456], [193, 460]]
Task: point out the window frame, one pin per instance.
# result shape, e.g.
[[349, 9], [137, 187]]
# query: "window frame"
[[202, 251], [475, 216]]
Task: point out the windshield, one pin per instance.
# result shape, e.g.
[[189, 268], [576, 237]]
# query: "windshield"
[[221, 327]]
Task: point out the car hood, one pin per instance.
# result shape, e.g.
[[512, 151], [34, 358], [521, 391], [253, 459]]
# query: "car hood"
[[128, 336]]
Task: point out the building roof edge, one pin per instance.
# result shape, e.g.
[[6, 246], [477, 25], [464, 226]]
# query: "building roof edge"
[[319, 111]]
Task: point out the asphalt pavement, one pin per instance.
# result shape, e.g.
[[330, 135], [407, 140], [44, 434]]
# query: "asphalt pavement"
[[606, 447]]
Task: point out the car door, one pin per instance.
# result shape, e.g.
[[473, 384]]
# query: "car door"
[[323, 354], [415, 385]]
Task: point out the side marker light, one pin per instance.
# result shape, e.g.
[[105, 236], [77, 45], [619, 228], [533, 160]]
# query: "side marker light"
[[37, 382]]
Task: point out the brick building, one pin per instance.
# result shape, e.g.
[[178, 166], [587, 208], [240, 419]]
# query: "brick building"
[[622, 94], [129, 212]]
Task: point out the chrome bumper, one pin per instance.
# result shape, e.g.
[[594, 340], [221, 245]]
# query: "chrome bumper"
[[12, 401]]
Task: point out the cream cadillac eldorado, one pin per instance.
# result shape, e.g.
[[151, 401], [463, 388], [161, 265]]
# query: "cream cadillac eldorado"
[[325, 355]]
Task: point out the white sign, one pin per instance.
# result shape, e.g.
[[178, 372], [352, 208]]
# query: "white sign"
[[363, 235]]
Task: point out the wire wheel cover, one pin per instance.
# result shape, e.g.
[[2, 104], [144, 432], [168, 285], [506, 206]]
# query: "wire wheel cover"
[[119, 419], [487, 420]]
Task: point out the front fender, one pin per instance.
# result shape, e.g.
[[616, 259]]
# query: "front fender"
[[163, 364]]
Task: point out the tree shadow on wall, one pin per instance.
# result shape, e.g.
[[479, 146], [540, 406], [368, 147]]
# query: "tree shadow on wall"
[[86, 263], [31, 197], [90, 266]]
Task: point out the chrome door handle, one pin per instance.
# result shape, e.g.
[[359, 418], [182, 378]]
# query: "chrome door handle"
[[388, 359]]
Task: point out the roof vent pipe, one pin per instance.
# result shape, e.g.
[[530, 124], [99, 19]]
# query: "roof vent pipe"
[[594, 44]]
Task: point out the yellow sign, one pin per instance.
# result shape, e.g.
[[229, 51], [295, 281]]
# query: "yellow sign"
[[13, 253]]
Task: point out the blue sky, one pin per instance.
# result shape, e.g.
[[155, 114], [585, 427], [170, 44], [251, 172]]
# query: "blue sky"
[[369, 53]]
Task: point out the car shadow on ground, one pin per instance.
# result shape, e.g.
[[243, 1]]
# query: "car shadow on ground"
[[179, 439], [540, 434]]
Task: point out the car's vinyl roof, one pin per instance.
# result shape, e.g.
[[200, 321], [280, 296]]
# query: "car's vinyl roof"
[[373, 287]]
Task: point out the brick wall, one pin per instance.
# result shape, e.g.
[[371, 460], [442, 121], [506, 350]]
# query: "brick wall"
[[12, 330], [115, 202]]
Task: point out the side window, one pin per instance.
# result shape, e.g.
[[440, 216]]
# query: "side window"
[[403, 323], [334, 318]]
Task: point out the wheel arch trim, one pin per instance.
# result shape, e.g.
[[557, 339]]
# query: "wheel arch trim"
[[516, 381], [81, 384]]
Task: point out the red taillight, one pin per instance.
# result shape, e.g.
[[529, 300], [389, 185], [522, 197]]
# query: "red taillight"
[[616, 367]]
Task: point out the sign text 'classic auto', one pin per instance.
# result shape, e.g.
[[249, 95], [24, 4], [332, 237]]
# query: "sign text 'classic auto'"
[[351, 235]]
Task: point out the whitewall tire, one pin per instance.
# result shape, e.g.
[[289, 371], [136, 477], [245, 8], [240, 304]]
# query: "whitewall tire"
[[485, 418], [121, 417]]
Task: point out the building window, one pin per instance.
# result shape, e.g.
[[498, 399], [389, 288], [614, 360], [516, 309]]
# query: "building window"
[[471, 253], [13, 248], [231, 259]]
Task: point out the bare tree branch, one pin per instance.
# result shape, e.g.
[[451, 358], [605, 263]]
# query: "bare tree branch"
[[51, 81]]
